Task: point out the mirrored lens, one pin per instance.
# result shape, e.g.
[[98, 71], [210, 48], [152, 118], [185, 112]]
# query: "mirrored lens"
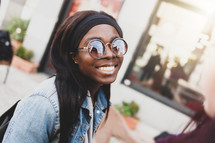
[[96, 48], [119, 47]]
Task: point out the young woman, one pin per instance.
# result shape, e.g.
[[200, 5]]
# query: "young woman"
[[204, 119], [87, 53]]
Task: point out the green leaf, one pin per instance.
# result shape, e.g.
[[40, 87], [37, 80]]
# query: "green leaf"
[[17, 28], [23, 53]]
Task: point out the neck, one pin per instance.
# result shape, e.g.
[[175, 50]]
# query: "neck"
[[93, 91], [93, 87]]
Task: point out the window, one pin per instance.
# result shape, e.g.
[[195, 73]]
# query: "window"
[[168, 60]]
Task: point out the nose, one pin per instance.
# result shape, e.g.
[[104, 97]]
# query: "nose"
[[108, 52]]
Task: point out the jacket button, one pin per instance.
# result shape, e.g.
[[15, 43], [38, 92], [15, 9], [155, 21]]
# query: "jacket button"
[[80, 138], [97, 111]]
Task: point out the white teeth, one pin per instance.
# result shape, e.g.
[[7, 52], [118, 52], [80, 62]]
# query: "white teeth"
[[109, 68]]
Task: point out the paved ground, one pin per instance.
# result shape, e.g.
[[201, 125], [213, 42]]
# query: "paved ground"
[[18, 85]]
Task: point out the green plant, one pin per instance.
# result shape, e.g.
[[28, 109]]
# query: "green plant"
[[17, 28], [128, 109], [23, 53]]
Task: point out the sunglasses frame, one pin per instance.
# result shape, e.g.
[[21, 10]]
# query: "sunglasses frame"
[[89, 48]]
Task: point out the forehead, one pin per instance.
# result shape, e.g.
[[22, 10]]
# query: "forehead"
[[104, 31]]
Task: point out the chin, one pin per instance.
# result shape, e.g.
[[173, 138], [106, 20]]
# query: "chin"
[[107, 81]]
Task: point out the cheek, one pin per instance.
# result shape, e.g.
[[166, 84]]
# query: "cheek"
[[121, 60], [85, 62], [85, 67]]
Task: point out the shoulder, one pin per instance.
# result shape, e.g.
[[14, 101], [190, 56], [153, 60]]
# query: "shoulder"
[[42, 103], [46, 88], [46, 92], [43, 98], [36, 118]]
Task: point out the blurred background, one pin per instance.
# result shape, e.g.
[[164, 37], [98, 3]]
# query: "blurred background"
[[168, 42]]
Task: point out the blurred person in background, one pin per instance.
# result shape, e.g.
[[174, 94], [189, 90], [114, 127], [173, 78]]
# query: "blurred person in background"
[[155, 60], [87, 53], [204, 120]]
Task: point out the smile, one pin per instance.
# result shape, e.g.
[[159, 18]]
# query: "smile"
[[107, 69]]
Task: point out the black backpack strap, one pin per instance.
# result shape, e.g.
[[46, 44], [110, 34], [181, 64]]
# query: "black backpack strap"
[[5, 119]]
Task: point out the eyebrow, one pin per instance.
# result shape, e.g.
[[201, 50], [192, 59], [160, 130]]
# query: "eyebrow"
[[100, 38]]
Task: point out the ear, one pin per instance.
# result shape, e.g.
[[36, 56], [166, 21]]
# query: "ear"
[[74, 57]]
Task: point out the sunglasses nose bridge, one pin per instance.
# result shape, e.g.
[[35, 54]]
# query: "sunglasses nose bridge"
[[108, 51], [108, 45]]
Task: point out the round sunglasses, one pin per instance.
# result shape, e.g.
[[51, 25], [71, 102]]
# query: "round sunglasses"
[[97, 48]]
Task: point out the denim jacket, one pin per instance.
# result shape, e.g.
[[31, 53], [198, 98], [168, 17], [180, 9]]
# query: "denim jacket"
[[37, 120]]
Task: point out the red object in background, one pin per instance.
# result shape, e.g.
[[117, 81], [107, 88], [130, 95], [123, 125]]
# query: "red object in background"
[[24, 65], [116, 4], [112, 7], [75, 7], [196, 106]]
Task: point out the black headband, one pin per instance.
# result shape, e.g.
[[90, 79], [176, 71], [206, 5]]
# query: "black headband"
[[86, 24]]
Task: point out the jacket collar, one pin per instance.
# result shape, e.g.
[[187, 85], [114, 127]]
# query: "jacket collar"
[[101, 101]]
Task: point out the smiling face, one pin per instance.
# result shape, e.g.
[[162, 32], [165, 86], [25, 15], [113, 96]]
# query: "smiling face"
[[104, 70]]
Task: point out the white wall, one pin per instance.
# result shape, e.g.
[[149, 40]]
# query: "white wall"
[[133, 19], [41, 26], [10, 9], [3, 9]]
